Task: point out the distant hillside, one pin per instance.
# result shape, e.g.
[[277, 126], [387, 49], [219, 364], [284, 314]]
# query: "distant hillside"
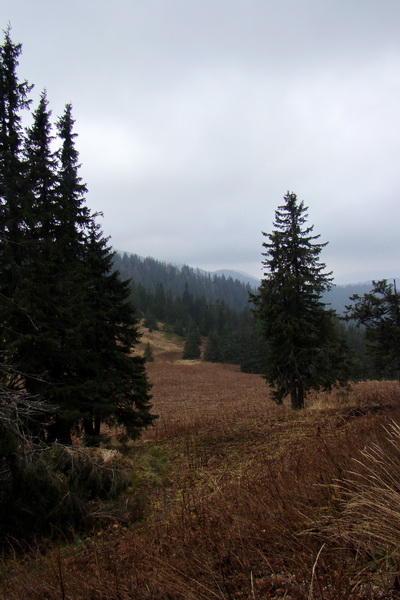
[[230, 286], [196, 306], [339, 296], [239, 276]]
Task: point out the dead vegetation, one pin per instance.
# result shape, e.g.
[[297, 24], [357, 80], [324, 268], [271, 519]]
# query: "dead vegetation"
[[245, 500]]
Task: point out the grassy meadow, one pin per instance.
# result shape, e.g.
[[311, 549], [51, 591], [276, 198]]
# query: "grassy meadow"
[[235, 498]]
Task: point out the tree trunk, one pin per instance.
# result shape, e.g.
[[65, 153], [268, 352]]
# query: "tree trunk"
[[60, 431], [91, 426], [88, 425], [97, 423], [297, 394]]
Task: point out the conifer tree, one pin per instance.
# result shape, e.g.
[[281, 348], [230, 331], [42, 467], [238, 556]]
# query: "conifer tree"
[[304, 351], [191, 348], [73, 214], [41, 177], [212, 352], [100, 382], [115, 385], [37, 342], [379, 312], [67, 326], [14, 208]]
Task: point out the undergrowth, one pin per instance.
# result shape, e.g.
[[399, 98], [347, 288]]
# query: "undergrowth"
[[245, 501]]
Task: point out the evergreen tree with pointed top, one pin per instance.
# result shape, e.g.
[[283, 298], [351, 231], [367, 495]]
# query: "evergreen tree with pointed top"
[[115, 386], [37, 291], [14, 98], [14, 207], [73, 214], [191, 349], [41, 174], [304, 351], [102, 382]]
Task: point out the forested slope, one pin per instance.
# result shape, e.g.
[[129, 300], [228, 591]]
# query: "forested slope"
[[195, 305], [151, 273]]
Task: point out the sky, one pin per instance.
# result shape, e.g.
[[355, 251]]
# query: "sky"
[[195, 117]]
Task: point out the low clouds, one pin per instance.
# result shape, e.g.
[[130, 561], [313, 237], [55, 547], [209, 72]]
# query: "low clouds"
[[195, 118]]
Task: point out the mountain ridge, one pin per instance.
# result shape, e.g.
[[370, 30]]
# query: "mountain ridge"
[[225, 283]]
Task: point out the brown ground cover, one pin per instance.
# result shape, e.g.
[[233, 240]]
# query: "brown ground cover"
[[245, 500]]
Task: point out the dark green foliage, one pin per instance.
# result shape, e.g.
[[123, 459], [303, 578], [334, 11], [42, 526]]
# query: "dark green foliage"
[[114, 383], [163, 280], [362, 365], [304, 350], [253, 344], [45, 490], [379, 312], [67, 327], [14, 205], [192, 349], [213, 351], [150, 322]]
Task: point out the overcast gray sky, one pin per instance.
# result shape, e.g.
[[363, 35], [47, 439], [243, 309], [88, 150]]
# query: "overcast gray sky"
[[195, 117]]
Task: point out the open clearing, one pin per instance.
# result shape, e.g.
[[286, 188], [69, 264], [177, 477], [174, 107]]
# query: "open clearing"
[[240, 499]]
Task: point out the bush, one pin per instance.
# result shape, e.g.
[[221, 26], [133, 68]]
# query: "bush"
[[47, 489]]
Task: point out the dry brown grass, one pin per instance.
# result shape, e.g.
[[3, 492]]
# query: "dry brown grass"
[[166, 348], [256, 503]]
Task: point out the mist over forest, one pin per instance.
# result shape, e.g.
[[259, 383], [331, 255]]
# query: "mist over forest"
[[229, 285]]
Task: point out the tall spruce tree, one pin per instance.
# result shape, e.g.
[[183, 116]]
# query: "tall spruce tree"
[[109, 384], [41, 175], [46, 350], [73, 214], [115, 387], [94, 377], [14, 98], [37, 288], [304, 351], [14, 208]]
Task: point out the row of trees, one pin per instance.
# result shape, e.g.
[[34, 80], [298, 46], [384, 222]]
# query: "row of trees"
[[234, 336], [67, 328], [150, 274]]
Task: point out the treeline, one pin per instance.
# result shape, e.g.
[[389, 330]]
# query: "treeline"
[[150, 273], [196, 307], [232, 336]]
